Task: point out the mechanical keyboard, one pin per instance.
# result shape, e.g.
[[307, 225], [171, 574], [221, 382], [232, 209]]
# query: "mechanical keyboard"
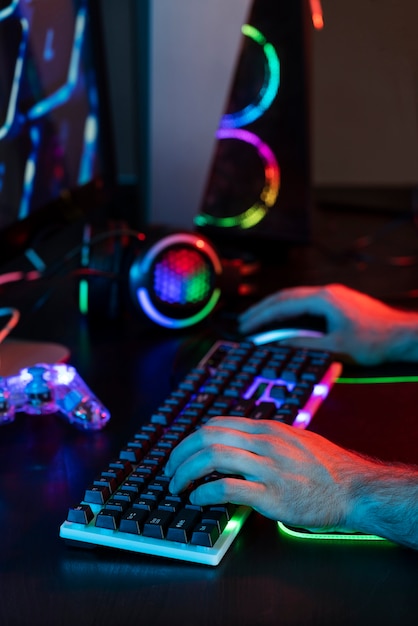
[[129, 507]]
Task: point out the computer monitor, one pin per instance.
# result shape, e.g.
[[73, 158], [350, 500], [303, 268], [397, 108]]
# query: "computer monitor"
[[55, 152]]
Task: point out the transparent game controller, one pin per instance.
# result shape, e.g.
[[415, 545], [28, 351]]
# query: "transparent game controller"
[[57, 388]]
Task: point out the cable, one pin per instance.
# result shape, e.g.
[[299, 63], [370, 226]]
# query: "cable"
[[14, 277], [17, 276], [12, 323], [122, 232]]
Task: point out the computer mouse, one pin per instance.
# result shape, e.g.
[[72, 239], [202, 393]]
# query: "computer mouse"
[[275, 335], [275, 331]]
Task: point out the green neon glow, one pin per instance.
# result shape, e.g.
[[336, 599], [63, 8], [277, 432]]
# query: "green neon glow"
[[324, 536], [83, 297], [374, 380], [268, 91], [253, 33], [233, 525], [247, 219], [164, 320], [198, 288]]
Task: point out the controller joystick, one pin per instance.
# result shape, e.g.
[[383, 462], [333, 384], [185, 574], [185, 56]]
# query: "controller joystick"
[[38, 391], [57, 388]]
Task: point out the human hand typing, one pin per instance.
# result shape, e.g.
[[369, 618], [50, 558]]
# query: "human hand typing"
[[290, 475], [297, 477], [360, 328]]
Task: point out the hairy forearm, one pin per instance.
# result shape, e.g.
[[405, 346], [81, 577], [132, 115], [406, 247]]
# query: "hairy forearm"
[[403, 339], [384, 502]]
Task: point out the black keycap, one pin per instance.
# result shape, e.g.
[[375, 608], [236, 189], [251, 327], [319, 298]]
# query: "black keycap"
[[264, 411], [227, 508], [153, 497], [80, 514], [278, 392], [164, 419], [132, 487], [141, 442], [182, 526], [117, 506], [205, 534], [143, 504], [97, 494], [287, 414], [124, 496], [132, 521], [108, 518], [150, 431], [158, 487], [169, 505], [122, 465], [215, 517], [156, 524], [117, 475], [242, 408], [106, 482], [133, 454], [139, 478]]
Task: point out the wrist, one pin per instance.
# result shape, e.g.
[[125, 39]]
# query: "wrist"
[[383, 501], [403, 343]]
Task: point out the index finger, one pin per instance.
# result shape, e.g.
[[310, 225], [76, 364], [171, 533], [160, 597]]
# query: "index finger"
[[235, 432]]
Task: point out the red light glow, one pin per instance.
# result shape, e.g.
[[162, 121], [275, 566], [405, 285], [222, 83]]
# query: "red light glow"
[[317, 14]]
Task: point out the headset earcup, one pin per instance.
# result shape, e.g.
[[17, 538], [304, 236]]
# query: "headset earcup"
[[176, 280]]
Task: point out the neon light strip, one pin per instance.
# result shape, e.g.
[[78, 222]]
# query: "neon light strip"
[[252, 216], [63, 94], [11, 109], [184, 238], [91, 129], [169, 322], [331, 536], [30, 172], [83, 286], [317, 14], [268, 91], [83, 296], [8, 11]]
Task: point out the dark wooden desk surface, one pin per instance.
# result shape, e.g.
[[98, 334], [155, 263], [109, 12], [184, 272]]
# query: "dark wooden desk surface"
[[264, 579]]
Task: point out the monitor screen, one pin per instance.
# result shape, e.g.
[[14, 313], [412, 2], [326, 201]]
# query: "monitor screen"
[[54, 153]]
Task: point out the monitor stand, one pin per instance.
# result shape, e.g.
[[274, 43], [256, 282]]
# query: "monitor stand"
[[16, 354]]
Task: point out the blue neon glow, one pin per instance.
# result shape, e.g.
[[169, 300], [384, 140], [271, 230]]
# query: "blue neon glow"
[[30, 172], [49, 52], [169, 322], [2, 175], [11, 109], [281, 334], [268, 91], [9, 10], [269, 384], [91, 132], [63, 94]]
